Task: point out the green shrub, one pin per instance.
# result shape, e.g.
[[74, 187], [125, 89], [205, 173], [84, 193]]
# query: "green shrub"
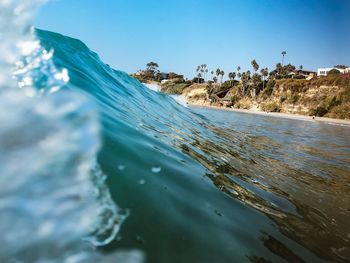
[[294, 97], [198, 97], [333, 72], [228, 84], [340, 112], [331, 102], [283, 98], [270, 85], [241, 105], [178, 81], [320, 111], [294, 85], [271, 107], [235, 99], [325, 107], [173, 88]]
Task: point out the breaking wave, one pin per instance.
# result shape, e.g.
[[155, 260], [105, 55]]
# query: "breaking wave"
[[53, 193], [227, 187]]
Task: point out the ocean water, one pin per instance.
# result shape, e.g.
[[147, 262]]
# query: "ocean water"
[[191, 184], [213, 186], [54, 203]]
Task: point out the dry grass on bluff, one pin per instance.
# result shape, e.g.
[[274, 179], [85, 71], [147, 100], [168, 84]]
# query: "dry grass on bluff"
[[328, 96]]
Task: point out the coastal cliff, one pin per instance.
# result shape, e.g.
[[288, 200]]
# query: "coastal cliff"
[[283, 89], [323, 97]]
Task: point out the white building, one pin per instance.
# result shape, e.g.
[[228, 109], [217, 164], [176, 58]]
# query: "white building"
[[324, 71]]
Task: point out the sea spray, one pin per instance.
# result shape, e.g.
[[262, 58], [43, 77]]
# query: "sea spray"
[[53, 194]]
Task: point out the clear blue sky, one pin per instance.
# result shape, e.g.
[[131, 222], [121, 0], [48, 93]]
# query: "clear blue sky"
[[180, 34]]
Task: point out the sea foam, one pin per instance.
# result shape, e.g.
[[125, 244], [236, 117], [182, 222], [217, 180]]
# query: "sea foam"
[[54, 204]]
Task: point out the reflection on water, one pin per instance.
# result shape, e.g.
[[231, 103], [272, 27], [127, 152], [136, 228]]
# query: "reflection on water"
[[214, 186], [295, 172]]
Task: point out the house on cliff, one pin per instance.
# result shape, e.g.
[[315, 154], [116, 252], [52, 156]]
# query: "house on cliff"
[[307, 74], [341, 69]]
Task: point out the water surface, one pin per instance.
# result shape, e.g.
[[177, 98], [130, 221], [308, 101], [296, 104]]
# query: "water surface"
[[205, 185], [266, 188]]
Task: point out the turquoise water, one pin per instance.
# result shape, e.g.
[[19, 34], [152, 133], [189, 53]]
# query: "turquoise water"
[[205, 185]]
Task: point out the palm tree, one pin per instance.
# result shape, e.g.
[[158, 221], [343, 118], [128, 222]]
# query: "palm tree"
[[248, 74], [283, 54], [199, 76], [300, 69], [264, 72], [243, 82], [222, 73], [202, 70], [218, 71], [279, 68], [256, 77], [255, 65], [230, 76]]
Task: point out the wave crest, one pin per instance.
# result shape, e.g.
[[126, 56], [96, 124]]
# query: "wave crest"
[[53, 193]]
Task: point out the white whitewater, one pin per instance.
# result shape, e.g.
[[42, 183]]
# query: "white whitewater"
[[54, 204], [178, 98], [153, 87]]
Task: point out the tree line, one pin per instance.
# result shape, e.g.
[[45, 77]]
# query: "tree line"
[[251, 81]]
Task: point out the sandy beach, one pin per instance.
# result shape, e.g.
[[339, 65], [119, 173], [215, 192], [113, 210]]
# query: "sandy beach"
[[280, 115]]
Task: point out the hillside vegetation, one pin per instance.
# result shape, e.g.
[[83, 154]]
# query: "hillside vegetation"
[[284, 89], [323, 97]]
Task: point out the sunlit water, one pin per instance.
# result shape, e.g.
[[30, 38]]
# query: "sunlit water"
[[196, 185], [213, 186]]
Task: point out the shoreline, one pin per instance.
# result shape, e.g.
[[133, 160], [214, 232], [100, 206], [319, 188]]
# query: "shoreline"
[[278, 115], [184, 101]]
